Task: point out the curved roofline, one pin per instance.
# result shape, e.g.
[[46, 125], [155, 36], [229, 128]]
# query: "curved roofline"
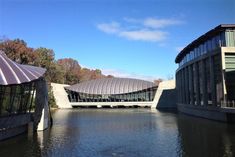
[[111, 86], [201, 39], [12, 73]]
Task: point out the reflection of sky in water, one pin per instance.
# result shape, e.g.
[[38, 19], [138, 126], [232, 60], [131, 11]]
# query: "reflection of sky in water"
[[124, 132]]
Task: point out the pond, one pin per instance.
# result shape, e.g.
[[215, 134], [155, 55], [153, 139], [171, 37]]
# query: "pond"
[[125, 133]]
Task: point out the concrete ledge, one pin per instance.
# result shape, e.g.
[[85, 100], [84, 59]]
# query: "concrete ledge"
[[14, 120], [208, 112], [11, 132], [112, 104], [14, 125]]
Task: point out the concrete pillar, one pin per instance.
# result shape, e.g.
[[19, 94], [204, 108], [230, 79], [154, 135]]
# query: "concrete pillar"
[[180, 86], [204, 83], [183, 85], [197, 83], [223, 78], [42, 113], [186, 85], [191, 85], [212, 81]]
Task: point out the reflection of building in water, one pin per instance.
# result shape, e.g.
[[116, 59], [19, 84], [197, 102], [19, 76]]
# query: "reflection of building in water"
[[205, 77], [204, 138], [18, 84], [108, 91]]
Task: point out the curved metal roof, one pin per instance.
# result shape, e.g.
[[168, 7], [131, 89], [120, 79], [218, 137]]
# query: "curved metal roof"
[[201, 39], [14, 73], [111, 86]]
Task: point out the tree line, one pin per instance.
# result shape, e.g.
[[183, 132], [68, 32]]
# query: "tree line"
[[65, 70]]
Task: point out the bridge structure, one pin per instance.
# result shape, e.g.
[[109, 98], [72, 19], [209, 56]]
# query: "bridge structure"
[[163, 97]]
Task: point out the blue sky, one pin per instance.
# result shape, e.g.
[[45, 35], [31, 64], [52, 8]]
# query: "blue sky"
[[125, 38]]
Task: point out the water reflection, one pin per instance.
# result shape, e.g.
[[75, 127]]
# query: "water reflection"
[[126, 133], [200, 137]]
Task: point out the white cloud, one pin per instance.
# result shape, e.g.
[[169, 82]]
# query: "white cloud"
[[111, 28], [160, 23], [139, 34], [124, 74], [147, 29], [144, 35]]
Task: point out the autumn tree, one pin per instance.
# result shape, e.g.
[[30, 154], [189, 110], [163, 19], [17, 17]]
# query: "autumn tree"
[[71, 68], [46, 59], [18, 51]]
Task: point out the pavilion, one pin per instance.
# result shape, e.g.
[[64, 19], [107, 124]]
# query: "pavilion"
[[22, 91]]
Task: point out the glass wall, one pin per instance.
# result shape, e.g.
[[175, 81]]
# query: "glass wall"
[[144, 95], [16, 99], [222, 39], [201, 81], [205, 85], [230, 38]]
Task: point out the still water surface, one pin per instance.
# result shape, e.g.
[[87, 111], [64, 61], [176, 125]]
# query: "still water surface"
[[125, 133]]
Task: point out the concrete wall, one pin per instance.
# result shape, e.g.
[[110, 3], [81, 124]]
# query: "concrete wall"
[[60, 95], [165, 97], [42, 113]]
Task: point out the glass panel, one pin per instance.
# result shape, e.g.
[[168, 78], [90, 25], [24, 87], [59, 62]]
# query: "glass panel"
[[230, 38]]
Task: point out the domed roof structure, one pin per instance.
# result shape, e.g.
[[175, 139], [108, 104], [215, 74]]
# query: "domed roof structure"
[[111, 86], [14, 73]]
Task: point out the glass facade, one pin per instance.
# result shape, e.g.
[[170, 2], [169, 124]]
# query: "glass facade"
[[223, 39], [143, 95], [203, 80], [195, 82], [16, 99]]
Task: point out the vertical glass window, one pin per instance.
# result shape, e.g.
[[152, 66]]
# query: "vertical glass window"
[[205, 47], [230, 38], [201, 49], [213, 43], [218, 41], [197, 51], [209, 47], [222, 39], [194, 52]]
